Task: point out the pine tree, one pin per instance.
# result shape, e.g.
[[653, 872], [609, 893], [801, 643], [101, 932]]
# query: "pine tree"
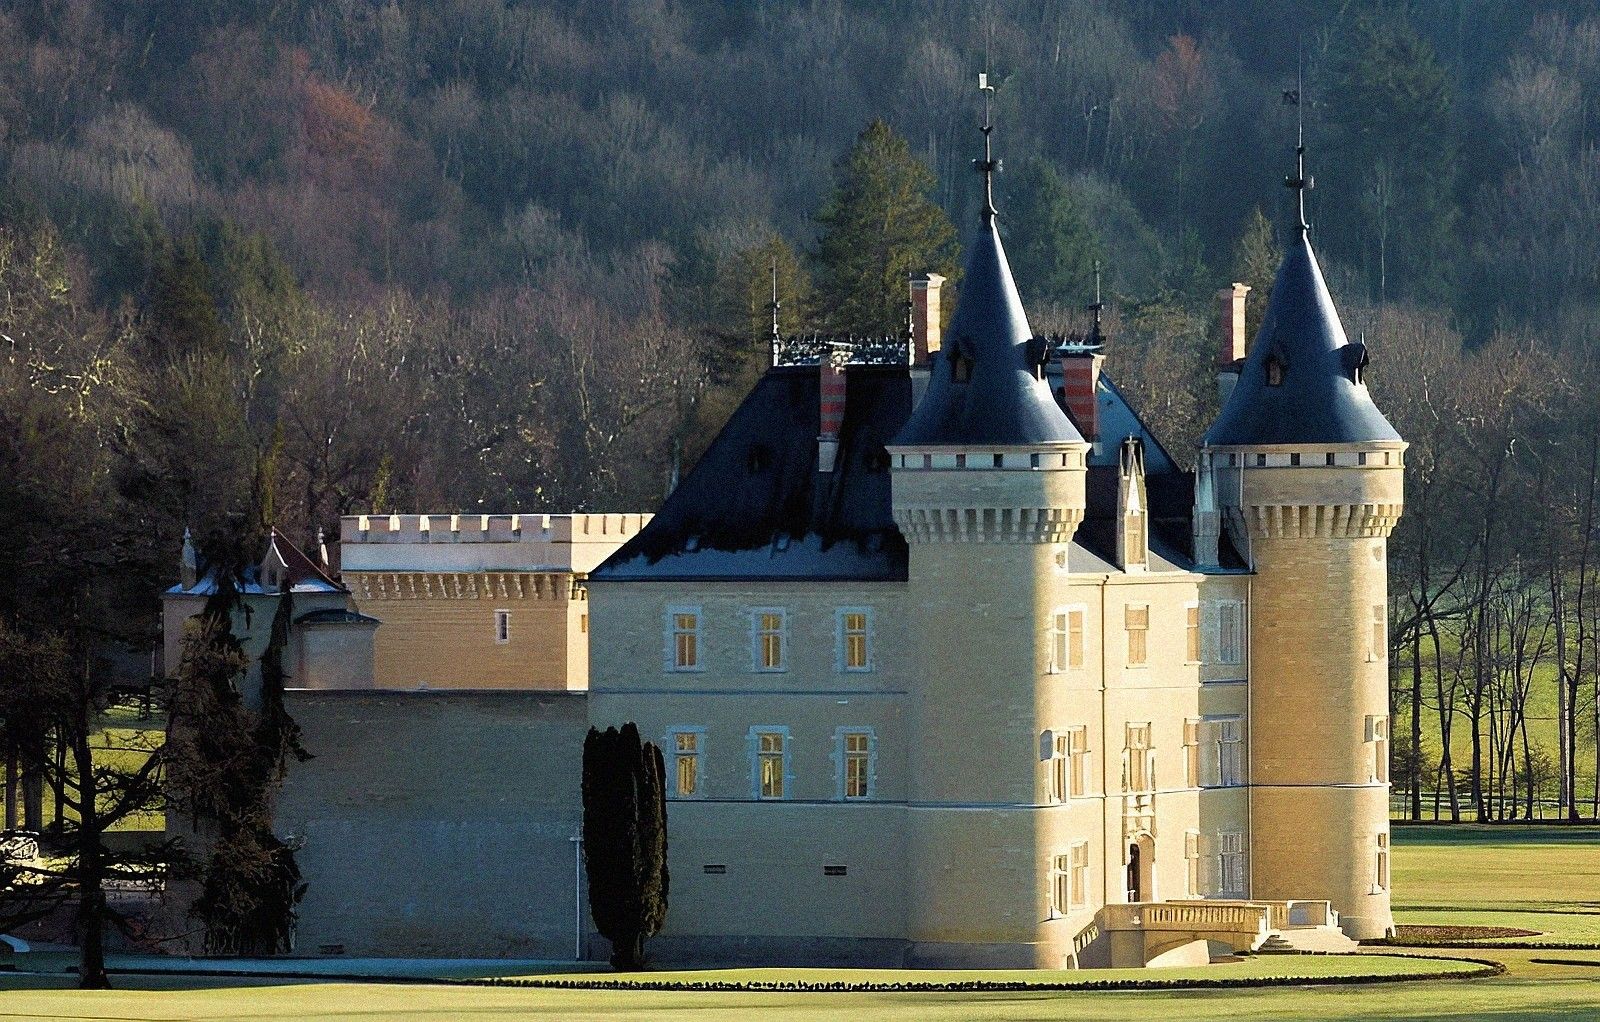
[[1050, 242], [1256, 257], [879, 227], [625, 840], [182, 314]]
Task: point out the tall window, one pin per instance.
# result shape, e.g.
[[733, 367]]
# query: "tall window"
[[1138, 760], [1381, 876], [1230, 632], [1077, 761], [683, 638], [1137, 619], [770, 747], [1058, 765], [1230, 741], [688, 745], [1380, 632], [1378, 735], [502, 626], [1066, 639], [1080, 874], [1230, 863], [769, 628], [1191, 863], [1192, 632], [856, 754], [1191, 752], [1069, 879], [855, 638]]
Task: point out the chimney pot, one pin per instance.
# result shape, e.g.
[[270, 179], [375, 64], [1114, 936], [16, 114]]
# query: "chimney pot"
[[926, 329], [1231, 336]]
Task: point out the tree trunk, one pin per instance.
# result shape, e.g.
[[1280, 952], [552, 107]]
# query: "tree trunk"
[[11, 788], [627, 952], [1415, 795], [91, 869]]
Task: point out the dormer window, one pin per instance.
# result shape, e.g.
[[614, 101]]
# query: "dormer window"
[[961, 368], [1274, 372]]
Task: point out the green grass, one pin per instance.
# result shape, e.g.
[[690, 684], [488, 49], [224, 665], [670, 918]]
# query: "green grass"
[[1537, 879]]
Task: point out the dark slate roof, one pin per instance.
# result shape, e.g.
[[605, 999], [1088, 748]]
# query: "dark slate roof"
[[755, 505], [1003, 403], [334, 616], [1318, 400]]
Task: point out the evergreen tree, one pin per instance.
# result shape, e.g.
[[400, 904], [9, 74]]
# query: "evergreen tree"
[[1391, 159], [182, 313], [1256, 257], [879, 227], [1049, 240], [625, 840]]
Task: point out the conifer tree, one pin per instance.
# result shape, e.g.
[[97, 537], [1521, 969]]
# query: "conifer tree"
[[1256, 257], [625, 840], [1049, 240], [878, 227]]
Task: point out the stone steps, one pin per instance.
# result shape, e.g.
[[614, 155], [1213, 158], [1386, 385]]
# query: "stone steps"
[[1324, 939]]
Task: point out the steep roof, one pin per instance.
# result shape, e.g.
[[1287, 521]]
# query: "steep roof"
[[755, 506], [1319, 399], [1003, 403]]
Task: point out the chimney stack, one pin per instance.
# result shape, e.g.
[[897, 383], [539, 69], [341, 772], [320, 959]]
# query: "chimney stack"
[[1080, 379], [926, 330], [833, 400], [1231, 337]]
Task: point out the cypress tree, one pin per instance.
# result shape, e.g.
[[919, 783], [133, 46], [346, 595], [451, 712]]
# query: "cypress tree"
[[625, 840]]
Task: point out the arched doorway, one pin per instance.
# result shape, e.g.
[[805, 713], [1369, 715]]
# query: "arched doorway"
[[1141, 880]]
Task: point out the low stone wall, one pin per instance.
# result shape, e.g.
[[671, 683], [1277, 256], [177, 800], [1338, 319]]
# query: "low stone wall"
[[437, 823]]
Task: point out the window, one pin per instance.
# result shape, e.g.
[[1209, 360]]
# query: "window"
[[1224, 633], [1380, 632], [1378, 735], [502, 626], [1191, 752], [687, 745], [1077, 761], [1069, 880], [856, 758], [1138, 760], [769, 762], [770, 631], [1191, 614], [1191, 863], [1230, 863], [1137, 548], [683, 639], [1066, 639], [1137, 619], [1230, 738], [583, 624], [1380, 881], [854, 630], [1080, 874]]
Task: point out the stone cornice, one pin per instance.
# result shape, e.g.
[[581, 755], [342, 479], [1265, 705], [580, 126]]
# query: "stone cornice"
[[464, 585], [1321, 521], [988, 525]]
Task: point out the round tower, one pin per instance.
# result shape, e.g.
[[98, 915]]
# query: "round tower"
[[988, 486], [1308, 475]]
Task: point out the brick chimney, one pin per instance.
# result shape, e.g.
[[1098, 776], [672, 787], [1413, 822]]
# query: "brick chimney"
[[1231, 337], [833, 400], [1080, 378], [926, 330]]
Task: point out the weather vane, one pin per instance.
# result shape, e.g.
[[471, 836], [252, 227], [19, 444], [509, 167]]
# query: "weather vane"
[[988, 166], [1301, 182], [777, 337], [1096, 306]]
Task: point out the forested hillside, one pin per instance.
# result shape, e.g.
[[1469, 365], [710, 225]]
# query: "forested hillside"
[[271, 261]]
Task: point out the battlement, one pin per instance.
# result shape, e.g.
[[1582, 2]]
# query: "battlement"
[[457, 542]]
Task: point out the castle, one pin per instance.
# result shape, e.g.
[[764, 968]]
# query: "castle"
[[952, 662]]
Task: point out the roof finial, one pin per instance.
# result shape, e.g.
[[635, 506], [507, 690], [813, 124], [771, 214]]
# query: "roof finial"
[[1096, 306], [988, 165], [1301, 182], [777, 336]]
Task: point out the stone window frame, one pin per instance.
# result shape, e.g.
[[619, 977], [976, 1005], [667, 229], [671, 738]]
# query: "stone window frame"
[[674, 754], [753, 742], [759, 634], [841, 638], [1061, 632], [1129, 631], [1194, 633], [670, 633], [502, 626], [841, 763]]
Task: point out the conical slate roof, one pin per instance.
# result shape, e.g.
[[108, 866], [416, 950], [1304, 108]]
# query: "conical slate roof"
[[1002, 403], [1319, 399]]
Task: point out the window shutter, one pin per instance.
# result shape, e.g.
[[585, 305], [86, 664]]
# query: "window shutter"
[[1047, 745], [1372, 728], [1209, 626]]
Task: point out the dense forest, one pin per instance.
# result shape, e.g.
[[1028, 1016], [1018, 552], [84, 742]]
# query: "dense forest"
[[271, 261]]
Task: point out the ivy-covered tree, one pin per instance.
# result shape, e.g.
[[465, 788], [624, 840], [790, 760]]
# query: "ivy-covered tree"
[[878, 227], [1255, 262], [625, 840], [1049, 240]]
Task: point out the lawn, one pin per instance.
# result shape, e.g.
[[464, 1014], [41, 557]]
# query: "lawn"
[[1536, 879]]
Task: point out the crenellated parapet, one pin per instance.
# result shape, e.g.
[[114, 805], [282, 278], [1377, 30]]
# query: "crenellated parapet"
[[988, 525], [973, 495]]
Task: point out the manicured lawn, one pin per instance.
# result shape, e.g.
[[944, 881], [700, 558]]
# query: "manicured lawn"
[[1536, 879]]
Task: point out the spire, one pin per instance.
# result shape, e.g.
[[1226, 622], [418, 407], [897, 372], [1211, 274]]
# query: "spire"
[[984, 387], [777, 336], [987, 166], [1097, 307], [1301, 182]]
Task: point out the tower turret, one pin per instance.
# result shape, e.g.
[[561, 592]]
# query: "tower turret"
[[1307, 475], [988, 487]]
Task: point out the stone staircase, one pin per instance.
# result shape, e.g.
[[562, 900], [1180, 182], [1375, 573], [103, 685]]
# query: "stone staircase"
[[1307, 940]]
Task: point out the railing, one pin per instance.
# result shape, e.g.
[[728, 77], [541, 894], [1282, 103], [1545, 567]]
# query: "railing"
[[1231, 917], [1288, 915]]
